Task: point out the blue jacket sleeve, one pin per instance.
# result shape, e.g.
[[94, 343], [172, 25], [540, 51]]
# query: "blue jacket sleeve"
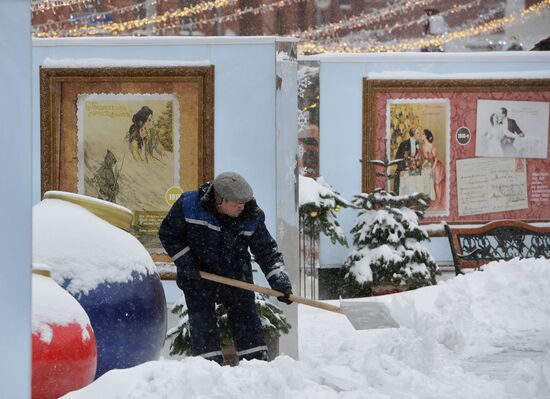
[[264, 248], [172, 234]]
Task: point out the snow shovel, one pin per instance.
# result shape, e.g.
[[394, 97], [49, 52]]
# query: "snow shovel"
[[362, 315]]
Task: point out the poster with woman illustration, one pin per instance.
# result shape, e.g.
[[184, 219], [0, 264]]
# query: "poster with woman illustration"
[[417, 131], [127, 142]]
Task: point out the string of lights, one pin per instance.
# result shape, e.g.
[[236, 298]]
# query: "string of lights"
[[361, 20], [263, 8], [51, 29], [114, 28], [46, 5], [311, 46], [364, 36], [435, 41], [402, 6], [96, 16], [343, 25], [363, 43], [311, 106], [80, 19], [456, 9], [373, 17]]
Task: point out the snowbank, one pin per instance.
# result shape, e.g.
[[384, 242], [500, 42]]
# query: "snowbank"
[[485, 335]]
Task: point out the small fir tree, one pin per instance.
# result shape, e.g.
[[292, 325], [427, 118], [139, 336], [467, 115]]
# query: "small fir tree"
[[273, 323], [387, 238], [319, 203]]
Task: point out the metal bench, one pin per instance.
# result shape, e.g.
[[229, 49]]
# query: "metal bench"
[[474, 246]]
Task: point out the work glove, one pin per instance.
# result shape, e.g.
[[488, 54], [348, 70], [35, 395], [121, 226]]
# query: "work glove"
[[285, 297], [192, 273]]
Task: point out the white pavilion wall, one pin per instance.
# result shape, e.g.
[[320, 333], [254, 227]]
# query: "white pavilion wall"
[[245, 112], [341, 90], [15, 201]]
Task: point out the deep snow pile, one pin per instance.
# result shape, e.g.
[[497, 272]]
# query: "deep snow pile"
[[88, 256], [483, 335]]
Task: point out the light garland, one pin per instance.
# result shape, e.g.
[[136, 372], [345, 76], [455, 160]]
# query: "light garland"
[[373, 33], [373, 42], [90, 18], [445, 13], [46, 5], [361, 20], [374, 17], [350, 23], [311, 106], [96, 16], [197, 9], [235, 15], [117, 27], [436, 41], [343, 24], [309, 47]]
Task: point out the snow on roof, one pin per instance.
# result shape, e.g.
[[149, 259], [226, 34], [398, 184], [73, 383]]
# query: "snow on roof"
[[405, 75], [449, 57], [113, 63], [158, 40]]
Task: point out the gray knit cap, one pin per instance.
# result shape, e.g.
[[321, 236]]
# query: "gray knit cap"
[[232, 187]]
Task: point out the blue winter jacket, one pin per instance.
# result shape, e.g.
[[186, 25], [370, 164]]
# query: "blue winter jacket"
[[195, 235]]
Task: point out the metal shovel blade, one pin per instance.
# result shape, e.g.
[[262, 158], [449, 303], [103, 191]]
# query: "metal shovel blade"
[[368, 315], [362, 315]]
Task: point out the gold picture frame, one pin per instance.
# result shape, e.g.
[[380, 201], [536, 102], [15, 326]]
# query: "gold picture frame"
[[136, 136], [463, 98]]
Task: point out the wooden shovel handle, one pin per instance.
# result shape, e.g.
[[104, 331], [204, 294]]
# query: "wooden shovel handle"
[[268, 291]]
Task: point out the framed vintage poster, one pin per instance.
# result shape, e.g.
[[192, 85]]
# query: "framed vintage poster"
[[477, 148], [135, 136]]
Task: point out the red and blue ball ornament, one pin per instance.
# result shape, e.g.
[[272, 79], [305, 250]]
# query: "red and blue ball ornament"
[[108, 271], [64, 353]]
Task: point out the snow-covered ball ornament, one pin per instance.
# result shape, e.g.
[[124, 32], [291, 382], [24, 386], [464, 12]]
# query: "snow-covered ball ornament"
[[107, 270], [64, 352]]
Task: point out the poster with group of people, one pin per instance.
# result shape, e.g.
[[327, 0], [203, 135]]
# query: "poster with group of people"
[[419, 135], [506, 134]]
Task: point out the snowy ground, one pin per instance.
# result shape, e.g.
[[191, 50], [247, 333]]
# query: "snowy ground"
[[484, 335]]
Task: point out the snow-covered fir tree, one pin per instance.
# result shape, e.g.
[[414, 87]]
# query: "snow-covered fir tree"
[[319, 203], [387, 238]]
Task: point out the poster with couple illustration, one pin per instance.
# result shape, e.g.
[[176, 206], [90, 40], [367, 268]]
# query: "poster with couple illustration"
[[418, 132], [512, 129], [127, 142]]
